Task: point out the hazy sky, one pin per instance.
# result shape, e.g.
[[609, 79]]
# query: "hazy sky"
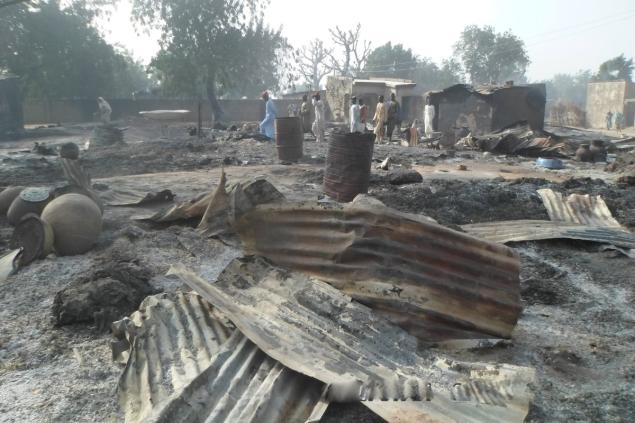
[[562, 36]]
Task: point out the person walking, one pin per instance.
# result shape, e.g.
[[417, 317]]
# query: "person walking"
[[428, 118], [393, 116], [267, 125], [354, 116], [318, 124], [363, 115], [609, 120], [619, 118], [305, 114], [380, 119]]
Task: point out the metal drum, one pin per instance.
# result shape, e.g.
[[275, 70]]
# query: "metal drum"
[[289, 138], [348, 165]]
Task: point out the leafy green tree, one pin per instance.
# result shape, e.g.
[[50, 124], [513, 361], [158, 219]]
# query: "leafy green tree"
[[59, 54], [568, 88], [391, 60], [489, 56], [395, 61], [213, 46], [616, 68]]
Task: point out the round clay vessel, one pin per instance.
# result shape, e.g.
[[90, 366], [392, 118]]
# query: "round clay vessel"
[[69, 150], [598, 150], [30, 200], [7, 196], [583, 153], [74, 189], [35, 236], [76, 222]]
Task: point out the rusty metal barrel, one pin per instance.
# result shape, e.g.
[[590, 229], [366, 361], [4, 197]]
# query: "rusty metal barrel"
[[348, 164], [289, 137]]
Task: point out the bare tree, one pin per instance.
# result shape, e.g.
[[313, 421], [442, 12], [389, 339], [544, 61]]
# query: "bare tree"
[[354, 51], [311, 63]]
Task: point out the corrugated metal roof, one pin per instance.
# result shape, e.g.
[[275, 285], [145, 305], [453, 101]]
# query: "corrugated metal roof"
[[581, 209], [184, 365], [483, 90], [434, 282], [317, 330], [534, 230]]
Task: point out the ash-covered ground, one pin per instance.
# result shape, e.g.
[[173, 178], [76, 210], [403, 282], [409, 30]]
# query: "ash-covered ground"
[[577, 328]]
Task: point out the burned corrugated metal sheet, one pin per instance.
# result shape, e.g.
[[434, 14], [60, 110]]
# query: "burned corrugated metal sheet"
[[172, 342], [581, 209], [220, 207], [184, 365], [131, 197], [243, 384], [519, 139], [435, 282], [534, 230], [581, 217], [317, 330]]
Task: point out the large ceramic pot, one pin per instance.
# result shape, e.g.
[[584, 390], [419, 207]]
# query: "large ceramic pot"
[[35, 236], [7, 196], [30, 200], [76, 222], [69, 150], [583, 153], [598, 150]]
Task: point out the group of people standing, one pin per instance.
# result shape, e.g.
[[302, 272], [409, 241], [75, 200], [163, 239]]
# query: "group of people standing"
[[318, 127], [387, 116], [358, 115]]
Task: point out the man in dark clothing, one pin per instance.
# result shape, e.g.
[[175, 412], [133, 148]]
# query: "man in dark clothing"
[[393, 119]]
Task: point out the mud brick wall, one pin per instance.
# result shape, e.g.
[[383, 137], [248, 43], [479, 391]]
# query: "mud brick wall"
[[11, 119], [603, 97], [84, 110]]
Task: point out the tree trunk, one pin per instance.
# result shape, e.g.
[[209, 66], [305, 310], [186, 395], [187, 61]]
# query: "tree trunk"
[[217, 111]]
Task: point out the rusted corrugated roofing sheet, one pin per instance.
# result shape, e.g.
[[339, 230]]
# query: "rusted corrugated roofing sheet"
[[576, 208], [581, 217], [317, 330], [435, 282], [243, 384], [534, 230], [184, 365]]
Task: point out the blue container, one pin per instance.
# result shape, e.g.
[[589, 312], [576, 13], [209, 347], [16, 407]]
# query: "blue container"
[[550, 163]]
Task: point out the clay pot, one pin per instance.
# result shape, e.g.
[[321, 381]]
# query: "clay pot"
[[583, 153], [598, 150], [30, 200], [7, 196], [76, 222], [69, 150], [74, 189], [35, 236]]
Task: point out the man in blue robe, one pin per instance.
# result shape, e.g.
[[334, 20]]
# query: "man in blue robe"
[[266, 126]]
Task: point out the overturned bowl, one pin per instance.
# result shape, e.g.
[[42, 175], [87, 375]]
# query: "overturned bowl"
[[76, 222], [550, 163]]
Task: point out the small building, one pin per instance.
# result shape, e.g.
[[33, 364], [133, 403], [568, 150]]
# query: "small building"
[[609, 96], [11, 117], [462, 109], [339, 91]]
